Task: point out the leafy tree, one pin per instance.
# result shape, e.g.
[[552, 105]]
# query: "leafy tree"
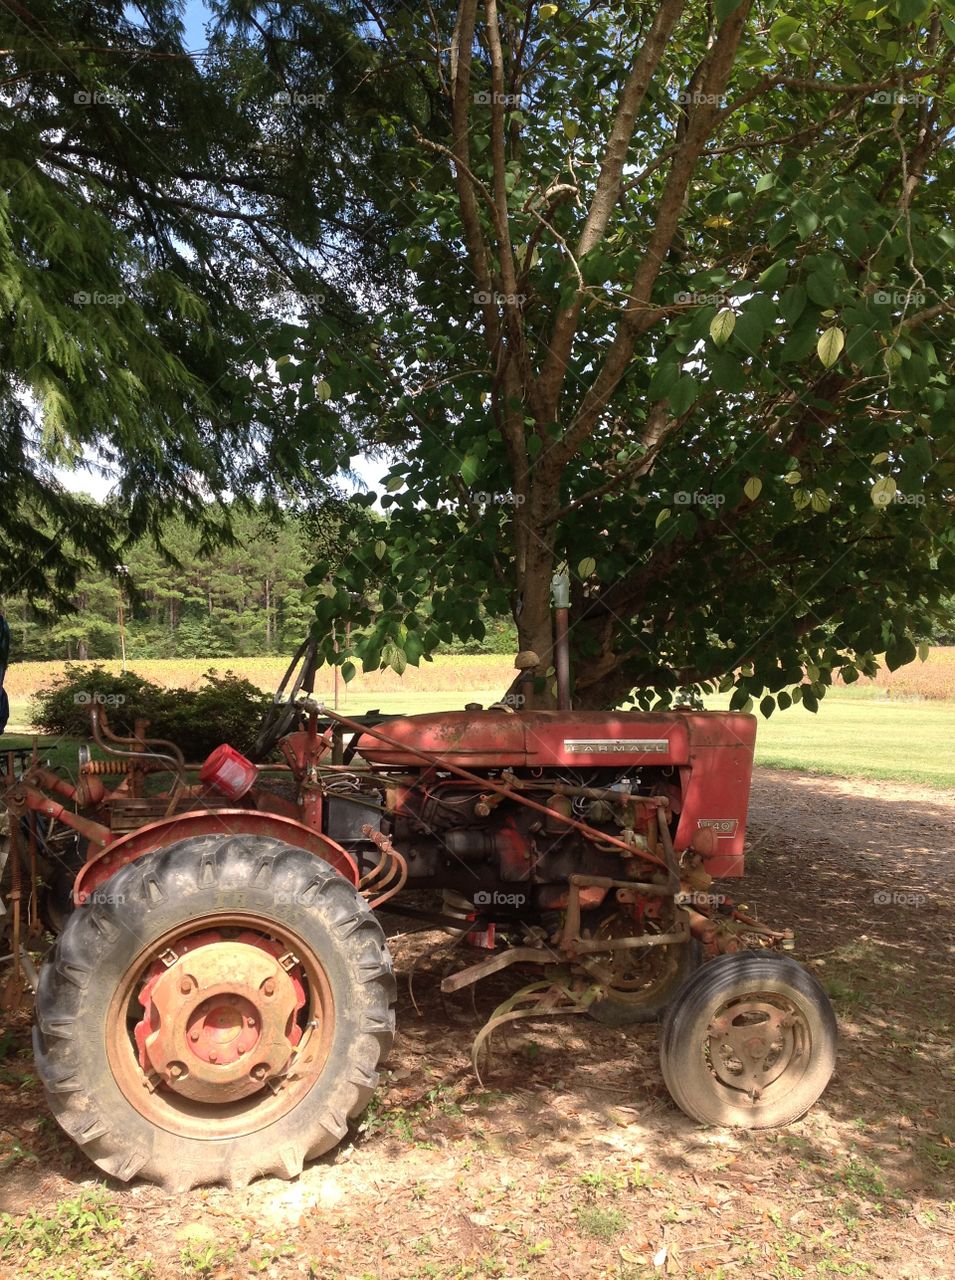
[[679, 315], [153, 213]]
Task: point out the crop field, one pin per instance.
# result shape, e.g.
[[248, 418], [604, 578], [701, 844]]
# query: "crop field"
[[898, 726]]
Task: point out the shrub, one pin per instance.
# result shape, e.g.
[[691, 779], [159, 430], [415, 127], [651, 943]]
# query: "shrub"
[[223, 709]]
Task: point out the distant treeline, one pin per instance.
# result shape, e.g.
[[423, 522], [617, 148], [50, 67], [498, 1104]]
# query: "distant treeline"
[[240, 600]]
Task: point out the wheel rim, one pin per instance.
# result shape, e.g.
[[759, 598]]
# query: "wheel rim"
[[633, 976], [220, 1027], [756, 1047]]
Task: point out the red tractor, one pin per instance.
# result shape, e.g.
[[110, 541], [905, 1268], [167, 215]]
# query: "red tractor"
[[220, 994]]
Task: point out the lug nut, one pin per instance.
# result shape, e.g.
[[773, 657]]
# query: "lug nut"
[[176, 1069], [268, 987], [194, 1034], [261, 1071]]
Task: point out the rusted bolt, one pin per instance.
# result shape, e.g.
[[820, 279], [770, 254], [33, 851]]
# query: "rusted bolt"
[[194, 1034], [250, 1021], [261, 1071], [268, 987], [213, 1057], [176, 1069], [186, 984]]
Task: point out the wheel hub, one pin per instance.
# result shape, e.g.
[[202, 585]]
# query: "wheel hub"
[[753, 1043], [219, 1016]]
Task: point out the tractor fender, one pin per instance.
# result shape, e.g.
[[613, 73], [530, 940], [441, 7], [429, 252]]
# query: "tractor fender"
[[240, 823]]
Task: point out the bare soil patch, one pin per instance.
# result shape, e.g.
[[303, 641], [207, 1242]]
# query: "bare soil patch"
[[572, 1161]]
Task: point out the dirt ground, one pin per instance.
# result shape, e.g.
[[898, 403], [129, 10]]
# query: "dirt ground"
[[571, 1161]]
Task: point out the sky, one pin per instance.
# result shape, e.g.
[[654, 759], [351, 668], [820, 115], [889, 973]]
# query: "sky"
[[98, 486]]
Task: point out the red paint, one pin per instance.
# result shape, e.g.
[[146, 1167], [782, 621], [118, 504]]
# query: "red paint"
[[229, 772]]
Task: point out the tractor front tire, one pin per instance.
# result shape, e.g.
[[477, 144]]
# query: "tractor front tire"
[[749, 1042], [217, 1011]]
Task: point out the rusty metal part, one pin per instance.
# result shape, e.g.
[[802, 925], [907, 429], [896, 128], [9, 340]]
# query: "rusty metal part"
[[193, 1065], [20, 799], [16, 890], [219, 1018], [102, 768], [484, 783], [753, 1042], [88, 792], [399, 866], [557, 995], [494, 964]]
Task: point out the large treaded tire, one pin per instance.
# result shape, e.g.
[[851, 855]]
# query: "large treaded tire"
[[168, 890], [688, 1075]]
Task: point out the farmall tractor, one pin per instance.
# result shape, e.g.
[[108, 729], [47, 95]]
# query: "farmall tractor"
[[219, 996]]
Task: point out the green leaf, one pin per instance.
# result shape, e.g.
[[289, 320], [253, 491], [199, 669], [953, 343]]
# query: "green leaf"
[[774, 275], [801, 498], [884, 491], [348, 671], [684, 394], [820, 500], [722, 325], [766, 181], [380, 549], [829, 346], [793, 477], [809, 699], [767, 705], [470, 468], [587, 566], [323, 390], [783, 701], [665, 514], [753, 488], [901, 652]]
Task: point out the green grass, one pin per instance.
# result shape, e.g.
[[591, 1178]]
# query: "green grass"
[[852, 736]]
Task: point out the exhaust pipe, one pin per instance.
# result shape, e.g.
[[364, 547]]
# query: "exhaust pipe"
[[560, 592]]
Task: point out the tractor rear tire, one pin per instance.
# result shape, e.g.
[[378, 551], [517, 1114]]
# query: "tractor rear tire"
[[749, 1042], [250, 907]]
